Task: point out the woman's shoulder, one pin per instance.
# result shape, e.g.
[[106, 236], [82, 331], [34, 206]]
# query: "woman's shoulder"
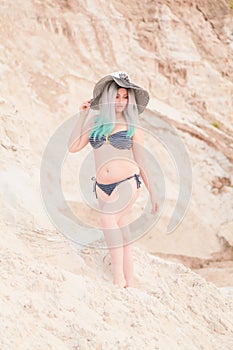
[[138, 134]]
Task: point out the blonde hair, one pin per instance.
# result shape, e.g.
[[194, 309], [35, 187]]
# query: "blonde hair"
[[105, 120]]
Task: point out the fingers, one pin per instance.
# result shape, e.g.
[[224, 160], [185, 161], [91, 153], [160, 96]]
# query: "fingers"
[[85, 105], [154, 208]]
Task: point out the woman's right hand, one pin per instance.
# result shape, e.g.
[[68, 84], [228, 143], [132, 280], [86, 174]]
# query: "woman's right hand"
[[85, 106]]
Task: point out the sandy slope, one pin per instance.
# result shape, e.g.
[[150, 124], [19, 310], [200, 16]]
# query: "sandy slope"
[[54, 296]]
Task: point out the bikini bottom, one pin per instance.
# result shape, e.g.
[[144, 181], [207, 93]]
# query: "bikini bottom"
[[108, 188]]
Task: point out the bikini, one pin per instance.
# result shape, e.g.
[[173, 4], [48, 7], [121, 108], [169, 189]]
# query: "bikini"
[[118, 140]]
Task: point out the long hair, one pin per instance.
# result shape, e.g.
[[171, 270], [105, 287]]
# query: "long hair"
[[105, 120]]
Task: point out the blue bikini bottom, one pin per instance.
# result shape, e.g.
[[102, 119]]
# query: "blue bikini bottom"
[[108, 188]]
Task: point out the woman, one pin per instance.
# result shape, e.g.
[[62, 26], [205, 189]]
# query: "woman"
[[117, 142]]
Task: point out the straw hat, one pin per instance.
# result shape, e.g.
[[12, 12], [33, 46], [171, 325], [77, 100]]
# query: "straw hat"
[[122, 79]]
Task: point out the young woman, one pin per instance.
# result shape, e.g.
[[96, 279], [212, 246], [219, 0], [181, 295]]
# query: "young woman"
[[117, 141]]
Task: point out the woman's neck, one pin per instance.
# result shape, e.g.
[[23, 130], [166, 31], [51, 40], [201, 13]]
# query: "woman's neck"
[[120, 117]]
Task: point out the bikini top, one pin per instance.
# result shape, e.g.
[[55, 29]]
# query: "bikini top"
[[118, 140]]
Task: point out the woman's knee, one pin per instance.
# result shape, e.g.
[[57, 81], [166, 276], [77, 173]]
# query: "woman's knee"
[[123, 220], [108, 221]]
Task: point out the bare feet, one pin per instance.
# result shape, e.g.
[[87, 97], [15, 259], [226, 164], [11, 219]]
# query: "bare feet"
[[119, 282], [130, 284], [123, 284]]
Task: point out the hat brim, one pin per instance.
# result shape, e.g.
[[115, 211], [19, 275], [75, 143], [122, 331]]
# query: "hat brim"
[[141, 95]]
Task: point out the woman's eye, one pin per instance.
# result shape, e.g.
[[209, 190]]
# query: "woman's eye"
[[126, 97]]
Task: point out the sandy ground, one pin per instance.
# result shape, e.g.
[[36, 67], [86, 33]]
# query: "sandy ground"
[[55, 296]]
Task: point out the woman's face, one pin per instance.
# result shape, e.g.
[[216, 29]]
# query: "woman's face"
[[121, 99]]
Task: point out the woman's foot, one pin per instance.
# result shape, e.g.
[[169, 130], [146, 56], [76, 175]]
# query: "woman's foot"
[[119, 282], [130, 283]]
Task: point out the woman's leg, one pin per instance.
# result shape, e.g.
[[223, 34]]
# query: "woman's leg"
[[114, 208], [123, 223], [113, 238], [127, 252]]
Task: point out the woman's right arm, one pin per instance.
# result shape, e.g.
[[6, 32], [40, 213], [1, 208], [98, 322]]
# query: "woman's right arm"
[[77, 134]]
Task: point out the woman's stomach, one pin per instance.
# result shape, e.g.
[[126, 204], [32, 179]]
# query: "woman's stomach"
[[115, 170]]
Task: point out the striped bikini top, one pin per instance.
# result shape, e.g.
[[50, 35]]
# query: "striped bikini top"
[[118, 140]]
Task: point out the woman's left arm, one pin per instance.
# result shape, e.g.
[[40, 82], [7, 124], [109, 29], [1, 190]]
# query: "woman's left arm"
[[146, 170]]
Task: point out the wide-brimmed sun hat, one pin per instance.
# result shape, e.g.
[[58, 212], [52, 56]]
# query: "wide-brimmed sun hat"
[[122, 79]]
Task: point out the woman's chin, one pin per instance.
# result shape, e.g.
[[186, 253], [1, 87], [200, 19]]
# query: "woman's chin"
[[119, 109]]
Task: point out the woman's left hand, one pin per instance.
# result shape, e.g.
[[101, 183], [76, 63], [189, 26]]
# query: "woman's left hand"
[[154, 208], [154, 203]]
